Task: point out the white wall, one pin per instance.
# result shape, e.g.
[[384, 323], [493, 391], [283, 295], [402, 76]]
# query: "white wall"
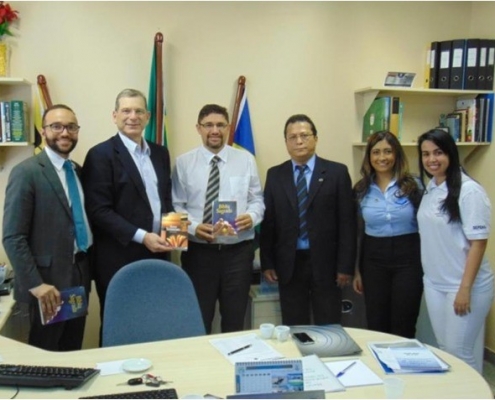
[[298, 57]]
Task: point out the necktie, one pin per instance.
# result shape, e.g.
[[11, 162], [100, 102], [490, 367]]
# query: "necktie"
[[76, 206], [302, 201], [212, 189]]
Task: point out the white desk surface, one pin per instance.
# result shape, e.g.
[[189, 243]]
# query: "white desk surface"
[[195, 367], [6, 304]]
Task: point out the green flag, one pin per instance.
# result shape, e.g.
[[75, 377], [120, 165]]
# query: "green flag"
[[153, 133]]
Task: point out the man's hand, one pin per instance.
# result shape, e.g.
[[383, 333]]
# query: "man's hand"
[[270, 275], [48, 296], [343, 280], [357, 283], [205, 232], [155, 243], [243, 222]]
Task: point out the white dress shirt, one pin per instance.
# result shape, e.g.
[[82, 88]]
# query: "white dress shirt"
[[239, 181], [141, 157]]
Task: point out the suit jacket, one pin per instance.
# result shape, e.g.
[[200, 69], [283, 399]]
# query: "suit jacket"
[[117, 204], [38, 231], [330, 217]]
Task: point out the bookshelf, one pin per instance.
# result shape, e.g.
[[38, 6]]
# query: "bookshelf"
[[12, 88], [422, 108]]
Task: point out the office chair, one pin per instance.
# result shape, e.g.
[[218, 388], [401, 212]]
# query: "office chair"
[[150, 300]]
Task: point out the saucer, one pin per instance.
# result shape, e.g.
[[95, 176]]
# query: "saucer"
[[136, 365]]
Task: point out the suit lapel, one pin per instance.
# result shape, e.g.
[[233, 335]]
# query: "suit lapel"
[[317, 179], [129, 166], [48, 170], [288, 184]]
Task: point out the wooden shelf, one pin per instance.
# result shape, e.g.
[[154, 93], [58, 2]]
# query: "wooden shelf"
[[13, 144]]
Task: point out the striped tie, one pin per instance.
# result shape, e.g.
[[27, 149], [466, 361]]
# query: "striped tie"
[[212, 189], [302, 201]]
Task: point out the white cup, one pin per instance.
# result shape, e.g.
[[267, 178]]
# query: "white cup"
[[394, 388], [266, 330], [282, 333]]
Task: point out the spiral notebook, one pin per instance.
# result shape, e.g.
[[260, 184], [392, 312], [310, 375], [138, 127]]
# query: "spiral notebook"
[[275, 376]]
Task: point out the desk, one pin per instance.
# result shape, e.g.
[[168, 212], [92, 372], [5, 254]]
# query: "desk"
[[6, 304], [195, 367]]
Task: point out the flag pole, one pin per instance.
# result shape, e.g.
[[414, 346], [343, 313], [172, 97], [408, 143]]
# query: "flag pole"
[[44, 90], [159, 89], [241, 82]]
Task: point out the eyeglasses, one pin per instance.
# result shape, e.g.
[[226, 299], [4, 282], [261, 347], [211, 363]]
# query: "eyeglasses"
[[57, 127], [303, 136], [209, 126]]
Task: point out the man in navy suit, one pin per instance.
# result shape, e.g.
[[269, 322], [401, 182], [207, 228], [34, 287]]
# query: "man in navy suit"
[[310, 256], [39, 234], [127, 184]]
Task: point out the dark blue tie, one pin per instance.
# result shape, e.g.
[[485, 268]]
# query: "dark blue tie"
[[76, 206], [302, 201]]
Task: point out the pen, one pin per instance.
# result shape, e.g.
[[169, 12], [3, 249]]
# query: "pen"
[[346, 369], [239, 349]]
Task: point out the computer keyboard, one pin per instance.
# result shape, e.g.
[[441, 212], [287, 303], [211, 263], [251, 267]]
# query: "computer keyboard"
[[39, 376], [168, 393]]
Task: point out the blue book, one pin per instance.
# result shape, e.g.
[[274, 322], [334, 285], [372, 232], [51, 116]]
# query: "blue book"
[[74, 304], [223, 220], [488, 117]]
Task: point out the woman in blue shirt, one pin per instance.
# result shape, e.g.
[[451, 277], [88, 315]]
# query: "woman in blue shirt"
[[388, 272]]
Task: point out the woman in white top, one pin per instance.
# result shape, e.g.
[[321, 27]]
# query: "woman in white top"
[[454, 224]]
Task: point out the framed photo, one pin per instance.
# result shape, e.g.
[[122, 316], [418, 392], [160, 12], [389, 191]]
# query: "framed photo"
[[400, 79]]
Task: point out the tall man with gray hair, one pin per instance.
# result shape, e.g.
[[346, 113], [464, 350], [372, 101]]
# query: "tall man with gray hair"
[[127, 181]]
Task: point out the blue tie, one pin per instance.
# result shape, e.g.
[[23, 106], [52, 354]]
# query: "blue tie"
[[76, 206], [302, 201]]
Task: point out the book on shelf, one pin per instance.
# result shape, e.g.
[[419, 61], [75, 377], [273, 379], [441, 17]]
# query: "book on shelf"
[[223, 221], [453, 123], [463, 114], [434, 64], [406, 356], [487, 120], [426, 73], [394, 115], [174, 230], [74, 304], [19, 123], [470, 106], [5, 120], [377, 117]]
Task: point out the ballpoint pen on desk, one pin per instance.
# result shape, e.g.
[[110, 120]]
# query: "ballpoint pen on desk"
[[239, 349], [346, 369]]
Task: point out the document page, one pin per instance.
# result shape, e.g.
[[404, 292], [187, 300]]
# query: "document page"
[[359, 374], [318, 377], [245, 348]]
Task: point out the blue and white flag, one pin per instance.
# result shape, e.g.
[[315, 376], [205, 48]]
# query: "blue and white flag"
[[243, 135]]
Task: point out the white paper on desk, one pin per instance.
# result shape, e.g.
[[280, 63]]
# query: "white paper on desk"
[[259, 350], [111, 367], [318, 377], [358, 375]]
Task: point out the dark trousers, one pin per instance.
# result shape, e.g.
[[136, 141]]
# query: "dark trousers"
[[304, 295], [223, 273], [60, 336], [393, 283]]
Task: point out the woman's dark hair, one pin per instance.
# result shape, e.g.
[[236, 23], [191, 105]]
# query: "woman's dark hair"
[[407, 184], [446, 143]]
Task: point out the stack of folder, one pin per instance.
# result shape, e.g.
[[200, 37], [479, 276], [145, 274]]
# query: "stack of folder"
[[460, 64], [408, 356]]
